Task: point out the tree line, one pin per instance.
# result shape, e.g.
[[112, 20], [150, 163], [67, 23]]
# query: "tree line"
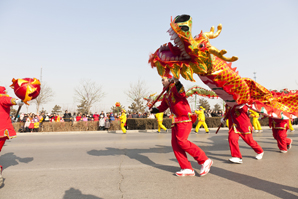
[[88, 93]]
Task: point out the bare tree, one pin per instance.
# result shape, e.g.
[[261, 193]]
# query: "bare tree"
[[136, 93], [217, 107], [204, 103], [46, 94], [88, 93]]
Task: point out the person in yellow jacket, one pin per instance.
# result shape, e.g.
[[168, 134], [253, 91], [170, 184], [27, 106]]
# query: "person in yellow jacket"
[[290, 126], [159, 117], [255, 121], [123, 120], [201, 118]]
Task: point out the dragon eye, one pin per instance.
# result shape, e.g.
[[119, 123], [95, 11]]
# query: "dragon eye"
[[182, 18], [184, 28], [201, 46]]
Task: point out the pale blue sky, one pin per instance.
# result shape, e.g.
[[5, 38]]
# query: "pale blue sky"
[[109, 42]]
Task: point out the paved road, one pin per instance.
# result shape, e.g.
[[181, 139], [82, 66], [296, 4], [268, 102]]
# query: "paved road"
[[92, 165]]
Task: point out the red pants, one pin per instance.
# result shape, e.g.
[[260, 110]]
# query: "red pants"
[[2, 142], [180, 145], [234, 146], [281, 137]]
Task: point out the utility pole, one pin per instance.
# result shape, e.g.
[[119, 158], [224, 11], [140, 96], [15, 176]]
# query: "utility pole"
[[255, 76]]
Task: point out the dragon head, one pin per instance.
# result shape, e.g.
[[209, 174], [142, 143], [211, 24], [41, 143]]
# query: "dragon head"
[[188, 54]]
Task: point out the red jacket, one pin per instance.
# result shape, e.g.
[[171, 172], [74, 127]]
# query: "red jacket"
[[6, 128], [78, 118], [239, 119], [278, 123], [176, 101], [96, 117]]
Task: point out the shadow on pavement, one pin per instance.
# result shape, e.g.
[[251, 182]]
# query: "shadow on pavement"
[[10, 159], [211, 148], [137, 155], [75, 193], [275, 189]]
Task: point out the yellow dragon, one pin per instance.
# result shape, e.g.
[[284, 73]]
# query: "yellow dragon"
[[189, 55]]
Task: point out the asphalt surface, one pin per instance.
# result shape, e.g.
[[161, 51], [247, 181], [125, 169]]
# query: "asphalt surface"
[[139, 164]]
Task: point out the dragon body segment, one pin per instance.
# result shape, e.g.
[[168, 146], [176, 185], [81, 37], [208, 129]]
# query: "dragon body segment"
[[196, 90], [195, 55]]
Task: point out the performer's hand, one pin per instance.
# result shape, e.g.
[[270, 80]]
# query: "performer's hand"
[[154, 110], [222, 120], [19, 102]]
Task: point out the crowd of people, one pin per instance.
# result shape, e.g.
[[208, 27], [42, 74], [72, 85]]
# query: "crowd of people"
[[33, 122]]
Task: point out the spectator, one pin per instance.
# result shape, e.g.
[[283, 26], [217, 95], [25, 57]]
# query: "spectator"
[[57, 118], [107, 123], [36, 123], [101, 123], [53, 117], [112, 118], [135, 115], [47, 118], [74, 117], [96, 116], [103, 114], [151, 116], [27, 124], [42, 120], [79, 117], [67, 116], [208, 113], [22, 117], [85, 119], [31, 123]]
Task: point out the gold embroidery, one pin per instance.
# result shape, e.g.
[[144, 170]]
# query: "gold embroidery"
[[6, 133], [181, 90], [13, 101]]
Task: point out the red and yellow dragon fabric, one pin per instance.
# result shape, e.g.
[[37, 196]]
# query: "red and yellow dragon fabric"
[[195, 55]]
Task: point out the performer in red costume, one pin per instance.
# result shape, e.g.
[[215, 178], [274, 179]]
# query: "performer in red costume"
[[239, 125], [175, 99], [279, 129], [6, 129]]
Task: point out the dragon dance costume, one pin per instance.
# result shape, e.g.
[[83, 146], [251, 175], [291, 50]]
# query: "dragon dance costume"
[[279, 130], [159, 117], [175, 99], [255, 121], [123, 120], [240, 126], [201, 120], [195, 90], [195, 55], [6, 129]]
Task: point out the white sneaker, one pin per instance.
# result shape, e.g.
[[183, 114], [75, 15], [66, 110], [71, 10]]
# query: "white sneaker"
[[185, 172], [260, 131], [260, 156], [282, 151], [292, 130], [256, 131], [236, 160], [206, 167], [289, 145]]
